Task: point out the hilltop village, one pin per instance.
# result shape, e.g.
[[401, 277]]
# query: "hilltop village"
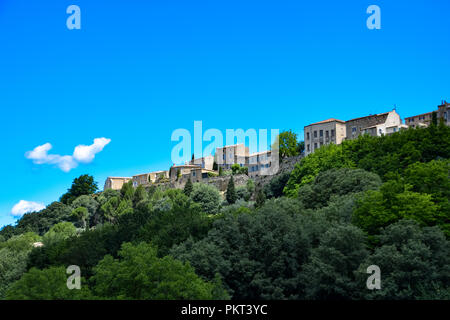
[[315, 136]]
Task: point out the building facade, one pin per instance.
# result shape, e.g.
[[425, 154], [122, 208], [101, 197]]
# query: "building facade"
[[115, 183], [421, 120], [146, 179], [444, 112], [374, 125], [323, 133], [205, 162], [259, 163], [226, 156]]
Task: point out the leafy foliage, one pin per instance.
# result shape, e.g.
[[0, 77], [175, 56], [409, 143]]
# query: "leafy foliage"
[[207, 196], [140, 274], [83, 185], [47, 284]]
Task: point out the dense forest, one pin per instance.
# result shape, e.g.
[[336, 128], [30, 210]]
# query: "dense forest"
[[308, 234]]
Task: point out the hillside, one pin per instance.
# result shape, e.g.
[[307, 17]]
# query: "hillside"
[[309, 234]]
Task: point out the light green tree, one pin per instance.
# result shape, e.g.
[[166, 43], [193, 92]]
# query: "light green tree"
[[140, 274]]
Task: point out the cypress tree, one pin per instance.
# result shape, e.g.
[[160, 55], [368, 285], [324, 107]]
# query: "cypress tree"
[[231, 192], [260, 198], [188, 187]]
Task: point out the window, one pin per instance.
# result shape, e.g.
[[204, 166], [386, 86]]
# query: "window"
[[315, 134], [332, 132], [353, 129], [321, 144], [321, 133], [327, 134], [307, 147], [193, 173], [307, 136], [315, 145]]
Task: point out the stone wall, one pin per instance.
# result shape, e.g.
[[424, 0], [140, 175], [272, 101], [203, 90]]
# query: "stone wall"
[[220, 183], [287, 165]]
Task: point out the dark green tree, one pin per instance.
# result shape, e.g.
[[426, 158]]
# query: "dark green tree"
[[47, 284], [188, 187], [127, 191], [231, 192], [140, 274], [140, 194], [414, 263], [207, 196], [83, 185], [260, 198]]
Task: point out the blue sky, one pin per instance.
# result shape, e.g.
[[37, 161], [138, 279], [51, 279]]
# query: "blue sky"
[[138, 70]]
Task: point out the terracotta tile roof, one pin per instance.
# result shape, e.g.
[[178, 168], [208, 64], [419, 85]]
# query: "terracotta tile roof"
[[326, 121], [372, 115]]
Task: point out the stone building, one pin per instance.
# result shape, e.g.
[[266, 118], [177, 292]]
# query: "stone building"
[[149, 178], [186, 171], [205, 162], [226, 156], [444, 112], [115, 183], [420, 120], [374, 125], [259, 163], [425, 119], [323, 133]]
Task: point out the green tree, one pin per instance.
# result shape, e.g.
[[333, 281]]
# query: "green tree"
[[47, 284], [330, 272], [127, 191], [301, 147], [337, 182], [207, 196], [83, 185], [13, 259], [274, 189], [140, 274], [231, 192], [140, 194], [250, 185], [288, 144], [188, 187], [220, 171], [7, 232], [12, 265], [59, 232], [434, 121], [325, 158], [414, 263], [81, 214], [258, 256], [41, 222], [260, 198], [109, 209]]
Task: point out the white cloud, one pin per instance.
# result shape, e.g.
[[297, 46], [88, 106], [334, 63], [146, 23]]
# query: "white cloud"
[[81, 153], [24, 206], [86, 154]]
